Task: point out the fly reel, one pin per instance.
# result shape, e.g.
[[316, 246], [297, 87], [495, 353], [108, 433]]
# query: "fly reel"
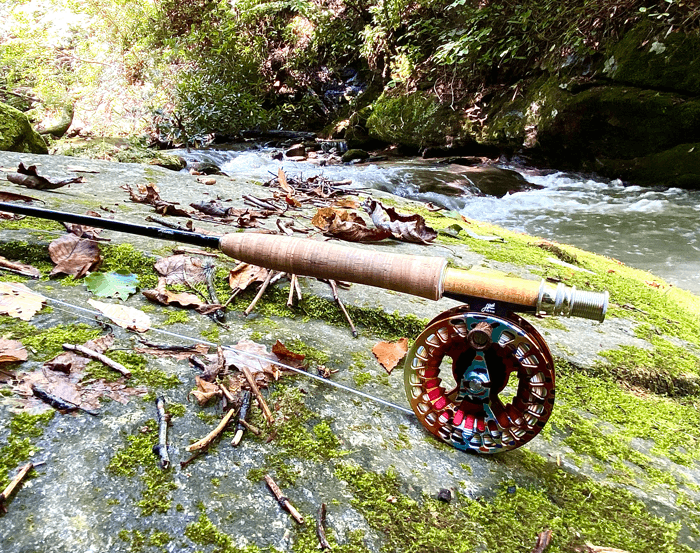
[[504, 376]]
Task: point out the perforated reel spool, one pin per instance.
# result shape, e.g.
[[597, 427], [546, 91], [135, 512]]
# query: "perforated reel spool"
[[504, 390]]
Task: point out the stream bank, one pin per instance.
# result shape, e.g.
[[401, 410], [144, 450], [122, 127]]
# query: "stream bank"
[[616, 466]]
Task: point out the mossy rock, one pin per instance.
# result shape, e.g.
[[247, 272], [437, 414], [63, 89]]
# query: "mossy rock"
[[17, 134], [570, 130], [649, 58], [679, 167], [415, 121]]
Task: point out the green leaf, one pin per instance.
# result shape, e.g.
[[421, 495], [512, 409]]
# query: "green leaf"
[[112, 285]]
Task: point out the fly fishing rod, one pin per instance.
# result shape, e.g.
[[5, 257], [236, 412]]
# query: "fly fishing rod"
[[485, 338]]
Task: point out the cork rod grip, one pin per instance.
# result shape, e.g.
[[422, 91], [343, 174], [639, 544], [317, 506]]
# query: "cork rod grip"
[[419, 276], [459, 283]]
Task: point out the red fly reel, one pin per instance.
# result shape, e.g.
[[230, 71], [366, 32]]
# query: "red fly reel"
[[504, 380]]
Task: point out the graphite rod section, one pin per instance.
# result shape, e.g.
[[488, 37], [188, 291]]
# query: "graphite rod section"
[[173, 235]]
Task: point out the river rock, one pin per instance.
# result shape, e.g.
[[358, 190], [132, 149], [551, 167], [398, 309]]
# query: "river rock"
[[296, 151], [57, 125], [17, 134], [355, 154]]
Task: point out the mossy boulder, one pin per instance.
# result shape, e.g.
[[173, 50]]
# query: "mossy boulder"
[[678, 166], [17, 134], [650, 58], [415, 121], [572, 130]]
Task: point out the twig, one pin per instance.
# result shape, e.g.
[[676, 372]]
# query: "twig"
[[242, 414], [7, 492], [254, 429], [256, 392], [209, 438], [292, 287], [263, 287], [543, 539], [227, 393], [183, 464], [260, 203], [282, 500], [336, 297], [99, 357], [297, 287], [320, 530], [166, 223], [161, 448]]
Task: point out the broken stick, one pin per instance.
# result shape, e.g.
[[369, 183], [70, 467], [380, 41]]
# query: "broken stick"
[[111, 363], [320, 528], [7, 492], [161, 448], [242, 414], [209, 438], [256, 392], [336, 297], [261, 291], [282, 500]]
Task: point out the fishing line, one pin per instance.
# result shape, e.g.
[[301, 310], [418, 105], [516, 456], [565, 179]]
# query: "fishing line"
[[78, 311]]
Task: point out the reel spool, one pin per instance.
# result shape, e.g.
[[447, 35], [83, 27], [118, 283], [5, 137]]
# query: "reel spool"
[[504, 375]]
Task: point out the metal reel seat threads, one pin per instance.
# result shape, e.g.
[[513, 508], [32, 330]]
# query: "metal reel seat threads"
[[473, 415]]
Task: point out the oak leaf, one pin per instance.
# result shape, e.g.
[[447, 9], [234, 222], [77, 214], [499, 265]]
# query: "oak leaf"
[[181, 269]]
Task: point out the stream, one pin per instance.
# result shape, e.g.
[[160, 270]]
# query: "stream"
[[654, 229]]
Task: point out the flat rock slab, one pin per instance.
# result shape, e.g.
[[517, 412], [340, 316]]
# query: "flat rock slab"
[[77, 504]]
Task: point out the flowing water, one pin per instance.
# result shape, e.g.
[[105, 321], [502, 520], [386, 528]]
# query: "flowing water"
[[654, 229]]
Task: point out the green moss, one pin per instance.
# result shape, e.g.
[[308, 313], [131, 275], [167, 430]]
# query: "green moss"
[[306, 541], [310, 353], [361, 378], [576, 509], [212, 334], [204, 532], [36, 255], [179, 316], [651, 369], [673, 427], [176, 409], [140, 373], [124, 257], [32, 223], [295, 433], [19, 446], [138, 459], [47, 343], [390, 326]]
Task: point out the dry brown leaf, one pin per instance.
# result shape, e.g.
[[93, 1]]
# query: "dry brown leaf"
[[206, 391], [347, 225], [284, 185], [28, 176], [260, 363], [181, 299], [20, 268], [409, 228], [181, 269], [288, 357], [18, 301], [347, 203], [12, 351], [126, 317], [74, 255], [245, 274], [12, 197], [390, 353]]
